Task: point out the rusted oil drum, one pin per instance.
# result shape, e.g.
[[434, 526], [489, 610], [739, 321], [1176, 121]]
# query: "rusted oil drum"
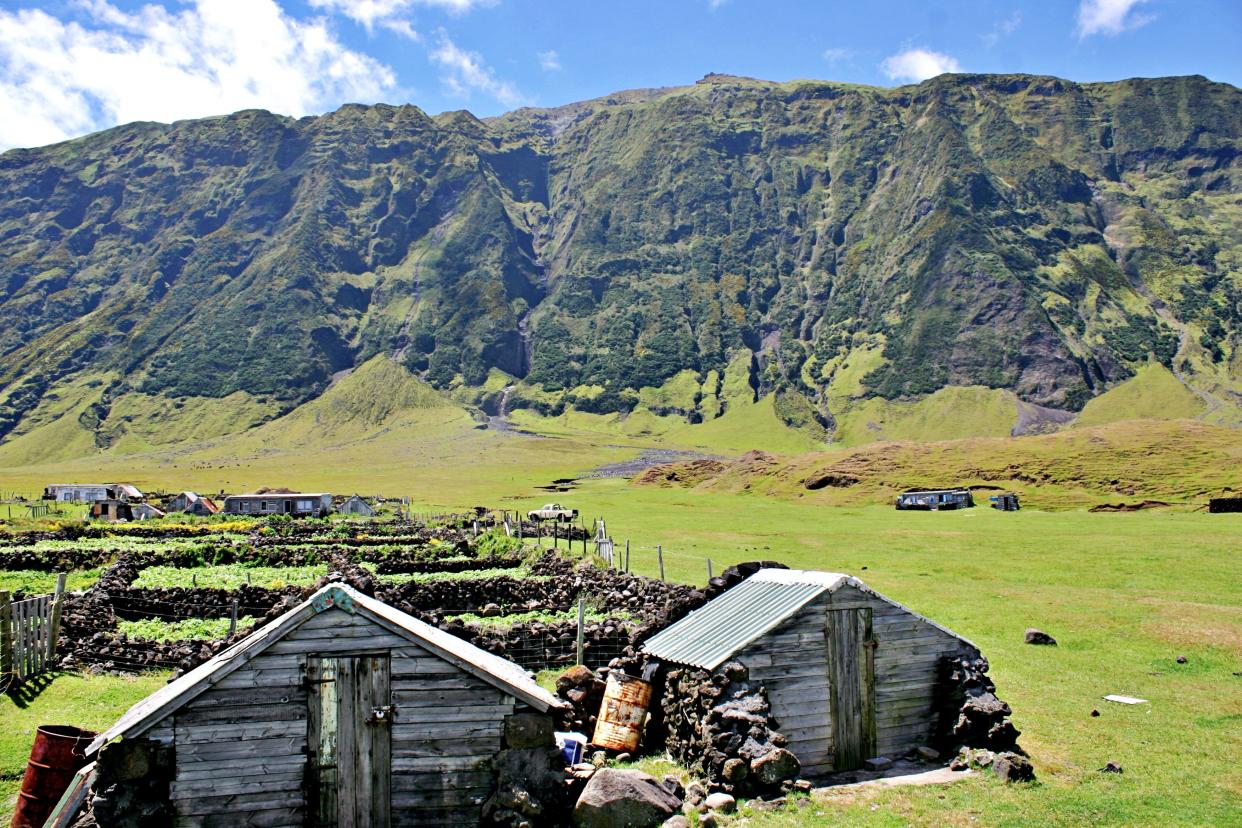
[[620, 722], [57, 753]]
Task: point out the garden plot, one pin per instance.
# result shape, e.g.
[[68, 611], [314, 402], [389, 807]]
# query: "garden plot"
[[169, 599]]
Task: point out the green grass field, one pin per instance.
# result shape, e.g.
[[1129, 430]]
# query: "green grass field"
[[1125, 594]]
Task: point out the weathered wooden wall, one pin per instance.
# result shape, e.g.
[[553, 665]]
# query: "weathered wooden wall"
[[241, 746], [792, 661]]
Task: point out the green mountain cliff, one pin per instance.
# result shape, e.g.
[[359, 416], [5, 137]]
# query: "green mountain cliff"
[[999, 252]]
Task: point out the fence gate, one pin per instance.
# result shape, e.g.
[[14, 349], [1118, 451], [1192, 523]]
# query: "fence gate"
[[28, 632]]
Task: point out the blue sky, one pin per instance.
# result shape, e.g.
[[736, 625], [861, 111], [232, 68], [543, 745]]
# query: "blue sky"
[[68, 67]]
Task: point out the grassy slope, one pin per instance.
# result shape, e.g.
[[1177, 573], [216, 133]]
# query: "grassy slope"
[[1152, 393], [1177, 461]]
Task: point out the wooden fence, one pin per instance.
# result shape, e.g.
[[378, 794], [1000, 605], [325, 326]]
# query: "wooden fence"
[[28, 632]]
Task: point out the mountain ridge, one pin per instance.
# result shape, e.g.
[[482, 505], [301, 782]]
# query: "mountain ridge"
[[847, 249]]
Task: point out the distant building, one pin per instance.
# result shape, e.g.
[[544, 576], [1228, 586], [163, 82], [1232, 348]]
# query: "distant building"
[[145, 511], [76, 492], [111, 509], [193, 504], [90, 492], [297, 504], [356, 506], [934, 500], [124, 491]]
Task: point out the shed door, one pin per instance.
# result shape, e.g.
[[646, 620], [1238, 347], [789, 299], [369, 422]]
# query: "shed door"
[[851, 681], [349, 742]]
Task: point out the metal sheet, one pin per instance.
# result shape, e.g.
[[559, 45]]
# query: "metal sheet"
[[708, 636]]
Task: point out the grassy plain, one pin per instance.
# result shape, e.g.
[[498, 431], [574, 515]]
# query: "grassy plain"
[[1125, 594]]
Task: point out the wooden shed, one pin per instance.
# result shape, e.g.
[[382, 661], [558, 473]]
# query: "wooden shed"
[[849, 673], [342, 712]]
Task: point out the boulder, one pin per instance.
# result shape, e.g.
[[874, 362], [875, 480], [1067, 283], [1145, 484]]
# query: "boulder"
[[1034, 636], [735, 770], [624, 799], [1011, 767], [775, 767], [721, 802], [677, 821]]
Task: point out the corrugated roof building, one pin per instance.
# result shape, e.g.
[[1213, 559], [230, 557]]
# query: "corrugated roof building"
[[849, 673]]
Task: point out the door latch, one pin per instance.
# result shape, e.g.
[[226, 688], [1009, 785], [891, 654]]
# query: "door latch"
[[380, 715]]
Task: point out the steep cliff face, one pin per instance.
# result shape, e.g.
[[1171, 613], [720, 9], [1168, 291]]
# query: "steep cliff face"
[[828, 243]]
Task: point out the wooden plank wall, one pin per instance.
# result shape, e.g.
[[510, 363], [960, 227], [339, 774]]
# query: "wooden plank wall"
[[908, 651], [792, 663], [241, 746]]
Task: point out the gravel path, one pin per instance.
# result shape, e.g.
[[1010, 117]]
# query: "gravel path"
[[645, 460]]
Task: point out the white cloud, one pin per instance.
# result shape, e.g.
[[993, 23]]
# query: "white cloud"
[[837, 55], [918, 65], [549, 61], [60, 79], [388, 14], [393, 15], [465, 72], [1003, 29], [1110, 17]]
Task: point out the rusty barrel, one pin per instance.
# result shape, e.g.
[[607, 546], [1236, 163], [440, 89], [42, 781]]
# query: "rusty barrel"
[[620, 722], [56, 755]]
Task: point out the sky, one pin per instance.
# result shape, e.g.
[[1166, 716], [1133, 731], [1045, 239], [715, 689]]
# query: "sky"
[[70, 67]]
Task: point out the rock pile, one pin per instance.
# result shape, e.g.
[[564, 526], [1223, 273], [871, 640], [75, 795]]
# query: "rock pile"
[[972, 717], [720, 725], [583, 690]]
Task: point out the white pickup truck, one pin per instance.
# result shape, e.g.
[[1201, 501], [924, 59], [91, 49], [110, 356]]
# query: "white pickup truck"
[[552, 511]]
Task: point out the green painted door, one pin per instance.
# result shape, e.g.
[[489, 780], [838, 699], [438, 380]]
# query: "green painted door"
[[349, 741]]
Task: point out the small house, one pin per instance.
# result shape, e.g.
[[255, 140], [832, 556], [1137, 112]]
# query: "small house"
[[934, 500], [1007, 502], [77, 492], [342, 711], [111, 510], [356, 506], [849, 673], [124, 491], [145, 511], [297, 504], [193, 504]]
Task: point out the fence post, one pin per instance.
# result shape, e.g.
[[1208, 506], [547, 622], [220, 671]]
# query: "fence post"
[[709, 569], [233, 618], [627, 556], [58, 601], [660, 553], [581, 630]]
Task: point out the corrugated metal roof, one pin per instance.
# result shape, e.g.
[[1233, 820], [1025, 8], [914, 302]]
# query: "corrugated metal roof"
[[708, 636]]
